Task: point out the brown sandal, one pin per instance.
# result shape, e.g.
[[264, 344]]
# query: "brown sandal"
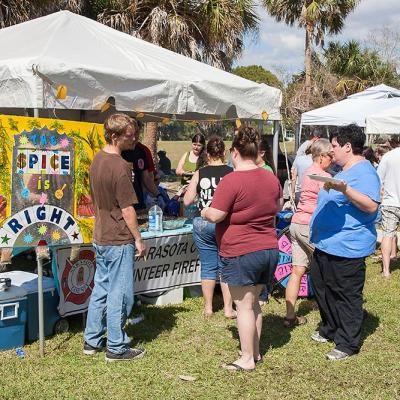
[[293, 322]]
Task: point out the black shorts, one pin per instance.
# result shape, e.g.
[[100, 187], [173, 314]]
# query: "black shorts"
[[250, 269]]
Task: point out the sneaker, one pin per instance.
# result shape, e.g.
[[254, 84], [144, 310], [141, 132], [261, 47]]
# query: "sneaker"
[[336, 355], [90, 350], [128, 355], [318, 338]]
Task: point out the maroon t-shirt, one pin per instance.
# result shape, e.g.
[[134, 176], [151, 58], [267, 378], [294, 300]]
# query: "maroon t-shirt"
[[250, 199]]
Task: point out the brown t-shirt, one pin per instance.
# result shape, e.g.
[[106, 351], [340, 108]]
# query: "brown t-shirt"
[[111, 188]]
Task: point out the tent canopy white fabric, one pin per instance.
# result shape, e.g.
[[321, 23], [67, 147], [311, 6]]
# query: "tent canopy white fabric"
[[96, 62], [377, 92], [355, 109], [348, 111], [387, 122]]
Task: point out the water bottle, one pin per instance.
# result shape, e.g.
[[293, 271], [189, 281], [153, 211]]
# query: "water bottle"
[[155, 219], [19, 351]]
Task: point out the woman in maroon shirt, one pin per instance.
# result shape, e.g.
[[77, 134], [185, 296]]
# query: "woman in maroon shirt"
[[246, 238]]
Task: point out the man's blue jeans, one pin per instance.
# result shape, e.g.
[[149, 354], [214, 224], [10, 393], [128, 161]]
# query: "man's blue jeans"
[[112, 298]]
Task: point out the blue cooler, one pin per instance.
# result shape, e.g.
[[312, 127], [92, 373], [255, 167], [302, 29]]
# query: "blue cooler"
[[13, 303], [29, 282]]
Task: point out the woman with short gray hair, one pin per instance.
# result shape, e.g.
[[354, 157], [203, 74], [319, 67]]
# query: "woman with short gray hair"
[[302, 250]]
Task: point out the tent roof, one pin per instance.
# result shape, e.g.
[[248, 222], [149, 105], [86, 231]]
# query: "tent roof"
[[385, 122], [348, 111], [95, 62], [377, 92], [355, 109]]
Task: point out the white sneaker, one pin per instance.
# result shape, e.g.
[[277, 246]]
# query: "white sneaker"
[[336, 355], [318, 338]]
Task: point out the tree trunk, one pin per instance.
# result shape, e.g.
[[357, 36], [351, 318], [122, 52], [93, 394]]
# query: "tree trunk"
[[150, 139], [307, 66]]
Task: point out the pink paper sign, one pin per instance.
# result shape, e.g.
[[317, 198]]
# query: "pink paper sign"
[[303, 291], [285, 245], [282, 271]]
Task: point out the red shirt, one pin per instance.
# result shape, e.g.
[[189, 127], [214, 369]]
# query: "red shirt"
[[250, 199], [149, 158]]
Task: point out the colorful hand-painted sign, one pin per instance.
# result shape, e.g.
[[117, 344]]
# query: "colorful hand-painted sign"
[[284, 267], [44, 185]]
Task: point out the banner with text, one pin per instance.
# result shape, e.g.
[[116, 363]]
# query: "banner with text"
[[170, 262], [44, 181]]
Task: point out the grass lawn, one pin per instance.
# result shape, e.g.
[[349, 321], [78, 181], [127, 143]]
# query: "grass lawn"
[[179, 341], [176, 149]]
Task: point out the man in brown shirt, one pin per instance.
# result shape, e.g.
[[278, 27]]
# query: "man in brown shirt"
[[116, 238]]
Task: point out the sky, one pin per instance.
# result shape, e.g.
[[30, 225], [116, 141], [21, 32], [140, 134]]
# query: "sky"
[[280, 48]]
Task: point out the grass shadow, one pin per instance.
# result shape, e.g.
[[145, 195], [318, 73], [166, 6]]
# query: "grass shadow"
[[273, 334], [395, 264], [218, 301], [306, 306], [157, 320], [369, 326]]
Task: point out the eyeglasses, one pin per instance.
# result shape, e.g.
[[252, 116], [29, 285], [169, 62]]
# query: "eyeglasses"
[[330, 155]]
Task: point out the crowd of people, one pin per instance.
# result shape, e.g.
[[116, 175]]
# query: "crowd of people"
[[332, 231]]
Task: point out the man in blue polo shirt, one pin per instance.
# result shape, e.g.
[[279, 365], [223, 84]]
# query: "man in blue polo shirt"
[[343, 232]]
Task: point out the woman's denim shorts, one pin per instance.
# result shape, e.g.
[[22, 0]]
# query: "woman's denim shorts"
[[204, 237], [250, 269]]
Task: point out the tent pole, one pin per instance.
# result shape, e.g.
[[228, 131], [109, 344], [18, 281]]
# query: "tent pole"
[[39, 262], [291, 198], [42, 252], [275, 143], [298, 136], [260, 127]]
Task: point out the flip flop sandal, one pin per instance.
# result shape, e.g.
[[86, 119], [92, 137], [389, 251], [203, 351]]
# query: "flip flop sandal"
[[293, 322], [236, 368]]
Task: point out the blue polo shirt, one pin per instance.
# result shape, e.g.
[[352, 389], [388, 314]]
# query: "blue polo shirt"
[[340, 228]]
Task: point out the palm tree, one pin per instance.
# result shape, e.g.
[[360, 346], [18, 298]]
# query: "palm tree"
[[210, 31], [357, 68], [15, 11], [317, 17]]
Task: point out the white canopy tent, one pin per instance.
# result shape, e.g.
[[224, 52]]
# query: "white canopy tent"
[[355, 109], [348, 111], [377, 92], [387, 122], [96, 62]]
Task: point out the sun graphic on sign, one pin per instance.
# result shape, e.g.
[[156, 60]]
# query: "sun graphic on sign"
[[64, 142], [28, 238], [56, 235], [23, 140], [42, 229]]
